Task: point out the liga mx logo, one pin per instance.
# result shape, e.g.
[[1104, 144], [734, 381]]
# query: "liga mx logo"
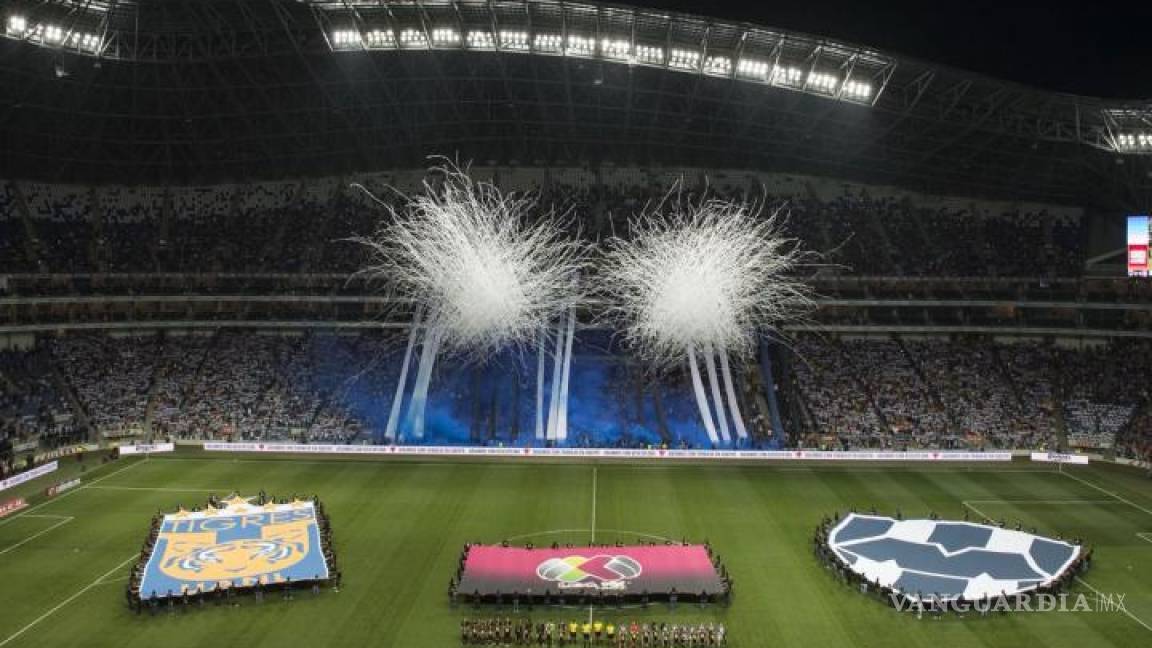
[[597, 572]]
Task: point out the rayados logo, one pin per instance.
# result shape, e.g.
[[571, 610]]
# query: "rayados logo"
[[598, 572]]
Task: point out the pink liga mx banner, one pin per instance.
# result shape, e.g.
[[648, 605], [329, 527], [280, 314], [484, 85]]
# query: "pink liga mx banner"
[[629, 570]]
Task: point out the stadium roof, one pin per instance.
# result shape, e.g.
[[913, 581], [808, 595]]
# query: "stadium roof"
[[204, 90]]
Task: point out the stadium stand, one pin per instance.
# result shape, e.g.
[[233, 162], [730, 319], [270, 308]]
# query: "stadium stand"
[[854, 393], [302, 227]]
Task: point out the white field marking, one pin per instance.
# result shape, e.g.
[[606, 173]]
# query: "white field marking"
[[164, 489], [1145, 536], [49, 516], [1107, 492], [67, 600], [57, 498], [1041, 501], [118, 579], [1123, 609], [976, 510], [594, 503], [32, 537], [1078, 579]]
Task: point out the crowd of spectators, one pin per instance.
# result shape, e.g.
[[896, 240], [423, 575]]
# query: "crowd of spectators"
[[337, 388], [111, 377], [304, 226], [887, 393], [241, 386], [32, 412]]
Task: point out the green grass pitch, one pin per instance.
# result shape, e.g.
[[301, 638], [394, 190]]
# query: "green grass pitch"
[[399, 527]]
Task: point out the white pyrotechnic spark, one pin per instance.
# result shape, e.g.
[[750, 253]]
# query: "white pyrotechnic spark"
[[490, 270], [695, 276]]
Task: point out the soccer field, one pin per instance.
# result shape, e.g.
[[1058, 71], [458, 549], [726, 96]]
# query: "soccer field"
[[399, 528]]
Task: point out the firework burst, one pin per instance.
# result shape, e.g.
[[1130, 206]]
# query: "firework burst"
[[710, 274], [489, 270]]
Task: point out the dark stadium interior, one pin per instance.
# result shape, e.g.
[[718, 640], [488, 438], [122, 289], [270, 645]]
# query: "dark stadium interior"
[[186, 188]]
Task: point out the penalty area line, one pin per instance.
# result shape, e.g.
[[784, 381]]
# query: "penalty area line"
[[1078, 579], [32, 537], [53, 500], [66, 601], [1106, 492], [968, 503], [165, 489], [1123, 608]]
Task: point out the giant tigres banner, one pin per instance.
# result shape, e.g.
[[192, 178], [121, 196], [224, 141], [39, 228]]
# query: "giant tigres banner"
[[238, 546]]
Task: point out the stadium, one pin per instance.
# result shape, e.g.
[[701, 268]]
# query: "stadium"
[[549, 323]]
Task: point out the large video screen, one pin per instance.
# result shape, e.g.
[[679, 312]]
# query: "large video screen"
[[1138, 235]]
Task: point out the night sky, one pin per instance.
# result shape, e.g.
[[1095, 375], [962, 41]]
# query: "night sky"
[[1101, 48]]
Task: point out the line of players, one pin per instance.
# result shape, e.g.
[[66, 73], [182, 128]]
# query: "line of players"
[[139, 601], [506, 631]]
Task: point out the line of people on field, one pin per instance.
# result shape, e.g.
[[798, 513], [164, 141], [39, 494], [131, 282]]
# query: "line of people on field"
[[506, 631]]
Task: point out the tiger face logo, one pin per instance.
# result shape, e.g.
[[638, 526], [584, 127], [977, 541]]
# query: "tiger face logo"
[[200, 557]]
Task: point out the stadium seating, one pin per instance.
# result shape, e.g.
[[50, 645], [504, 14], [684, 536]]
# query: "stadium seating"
[[853, 393], [302, 227]]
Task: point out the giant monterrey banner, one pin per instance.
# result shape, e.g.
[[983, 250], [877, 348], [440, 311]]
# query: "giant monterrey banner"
[[945, 561], [606, 453]]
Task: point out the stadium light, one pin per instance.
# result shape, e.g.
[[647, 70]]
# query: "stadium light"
[[616, 48], [1136, 142], [17, 25], [89, 42], [481, 40], [445, 36], [547, 43], [379, 38], [514, 40], [752, 68], [822, 81], [788, 76], [346, 38], [53, 34], [650, 54], [684, 59], [718, 65], [581, 45], [413, 38], [860, 90]]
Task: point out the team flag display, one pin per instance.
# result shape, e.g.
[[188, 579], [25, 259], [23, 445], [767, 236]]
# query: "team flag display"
[[945, 560], [236, 545], [627, 571]]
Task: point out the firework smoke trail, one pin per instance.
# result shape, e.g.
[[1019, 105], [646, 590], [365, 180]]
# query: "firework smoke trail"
[[489, 271], [702, 276]]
